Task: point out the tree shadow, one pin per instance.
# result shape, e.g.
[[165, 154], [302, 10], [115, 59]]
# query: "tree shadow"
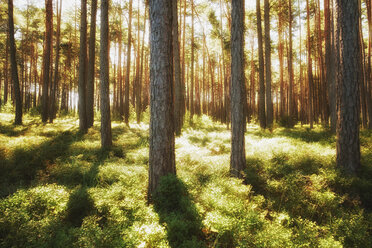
[[323, 136], [27, 162], [177, 211], [13, 130]]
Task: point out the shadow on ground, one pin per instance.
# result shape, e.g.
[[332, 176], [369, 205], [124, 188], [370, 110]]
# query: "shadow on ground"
[[175, 208], [27, 162]]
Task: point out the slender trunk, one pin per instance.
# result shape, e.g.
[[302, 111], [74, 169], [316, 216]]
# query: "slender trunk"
[[191, 96], [52, 115], [177, 71], [13, 61], [138, 81], [83, 68], [309, 68], [106, 136], [91, 66], [46, 59], [291, 104], [269, 102], [127, 76], [261, 99]]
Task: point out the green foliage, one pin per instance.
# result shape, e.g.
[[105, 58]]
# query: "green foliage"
[[59, 189], [287, 121], [175, 208]]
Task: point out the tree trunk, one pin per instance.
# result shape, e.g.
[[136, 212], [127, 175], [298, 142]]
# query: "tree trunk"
[[348, 145], [13, 61], [83, 68], [106, 137], [329, 64], [162, 155], [127, 76], [238, 90], [46, 59], [91, 66], [309, 68], [261, 98], [138, 81], [177, 71], [191, 96], [52, 114], [291, 104], [269, 102]]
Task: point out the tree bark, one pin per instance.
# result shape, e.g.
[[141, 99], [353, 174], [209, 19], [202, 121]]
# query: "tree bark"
[[138, 81], [127, 76], [13, 61], [52, 115], [291, 104], [91, 66], [348, 145], [162, 155], [238, 90], [269, 102], [177, 71], [106, 136], [261, 94], [46, 59], [83, 68], [309, 68]]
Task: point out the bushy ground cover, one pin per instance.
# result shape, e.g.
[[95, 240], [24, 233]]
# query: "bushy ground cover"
[[59, 189]]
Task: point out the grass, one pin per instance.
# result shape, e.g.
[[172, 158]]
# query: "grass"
[[59, 189]]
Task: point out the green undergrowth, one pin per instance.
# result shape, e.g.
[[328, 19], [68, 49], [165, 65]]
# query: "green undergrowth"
[[59, 189]]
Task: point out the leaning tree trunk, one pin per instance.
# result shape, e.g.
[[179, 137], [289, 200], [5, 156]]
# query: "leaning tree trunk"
[[348, 145], [106, 137], [13, 61], [261, 94], [91, 65], [238, 90], [162, 155]]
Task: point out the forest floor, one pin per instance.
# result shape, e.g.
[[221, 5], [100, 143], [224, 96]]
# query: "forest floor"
[[59, 189]]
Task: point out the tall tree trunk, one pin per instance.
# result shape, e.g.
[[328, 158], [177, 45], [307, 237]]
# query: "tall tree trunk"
[[281, 59], [238, 90], [6, 69], [138, 81], [46, 59], [348, 145], [261, 97], [269, 101], [52, 114], [291, 104], [83, 68], [329, 64], [106, 136], [191, 96], [177, 71], [13, 61], [309, 68], [162, 155], [91, 66], [127, 75]]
